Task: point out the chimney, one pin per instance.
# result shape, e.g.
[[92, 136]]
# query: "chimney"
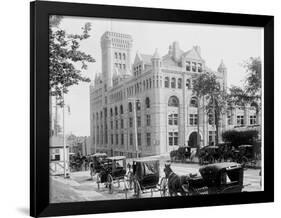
[[198, 49], [176, 51]]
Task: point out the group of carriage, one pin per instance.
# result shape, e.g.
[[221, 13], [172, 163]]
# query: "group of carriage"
[[143, 176], [243, 154]]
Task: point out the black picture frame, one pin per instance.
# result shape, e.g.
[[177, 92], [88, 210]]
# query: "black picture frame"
[[39, 107]]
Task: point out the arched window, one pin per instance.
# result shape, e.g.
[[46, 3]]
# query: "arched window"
[[167, 82], [188, 83], [121, 109], [116, 111], [179, 83], [193, 102], [130, 106], [173, 101], [173, 83], [147, 102], [254, 105]]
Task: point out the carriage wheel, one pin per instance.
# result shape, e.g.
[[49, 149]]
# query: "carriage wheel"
[[110, 184], [163, 187], [126, 188], [98, 180], [137, 189]]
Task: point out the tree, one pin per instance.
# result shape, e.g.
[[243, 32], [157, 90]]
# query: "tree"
[[64, 57], [253, 79], [252, 90], [206, 85]]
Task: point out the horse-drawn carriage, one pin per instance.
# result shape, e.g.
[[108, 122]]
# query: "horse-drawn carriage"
[[96, 163], [209, 154], [182, 154], [216, 178], [146, 178], [113, 170]]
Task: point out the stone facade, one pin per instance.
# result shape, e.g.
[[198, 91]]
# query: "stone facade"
[[153, 96]]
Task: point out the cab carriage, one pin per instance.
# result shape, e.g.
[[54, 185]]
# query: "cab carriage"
[[216, 178], [113, 170], [146, 178], [96, 162]]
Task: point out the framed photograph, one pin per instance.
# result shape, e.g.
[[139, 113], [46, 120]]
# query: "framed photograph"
[[142, 109]]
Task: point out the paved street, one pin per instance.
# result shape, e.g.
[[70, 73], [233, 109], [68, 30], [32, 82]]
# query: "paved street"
[[80, 187]]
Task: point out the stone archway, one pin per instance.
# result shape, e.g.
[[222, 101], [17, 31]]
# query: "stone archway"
[[192, 139]]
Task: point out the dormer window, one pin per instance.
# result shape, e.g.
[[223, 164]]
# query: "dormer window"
[[193, 66], [188, 66], [199, 67]]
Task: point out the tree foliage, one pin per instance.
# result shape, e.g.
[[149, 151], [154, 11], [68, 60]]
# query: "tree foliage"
[[253, 79], [206, 85], [252, 90], [237, 138], [64, 54]]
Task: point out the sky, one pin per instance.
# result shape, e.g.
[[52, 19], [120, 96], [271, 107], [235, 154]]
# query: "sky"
[[232, 44]]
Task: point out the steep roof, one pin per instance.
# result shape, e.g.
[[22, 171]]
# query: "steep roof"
[[192, 54], [146, 58]]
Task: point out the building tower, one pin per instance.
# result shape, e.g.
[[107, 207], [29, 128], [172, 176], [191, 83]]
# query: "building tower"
[[156, 61], [116, 53], [223, 70]]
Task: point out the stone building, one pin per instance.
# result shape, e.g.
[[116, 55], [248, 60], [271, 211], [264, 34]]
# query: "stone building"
[[148, 106]]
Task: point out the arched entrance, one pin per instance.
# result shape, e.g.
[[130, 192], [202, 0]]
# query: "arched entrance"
[[192, 140]]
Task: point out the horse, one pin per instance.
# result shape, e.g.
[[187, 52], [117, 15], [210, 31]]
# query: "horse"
[[176, 183]]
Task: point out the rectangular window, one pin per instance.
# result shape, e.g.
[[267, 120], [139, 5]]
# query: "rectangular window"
[[253, 119], [148, 120], [139, 139], [122, 124], [173, 119], [112, 139], [122, 139], [116, 139], [193, 119], [148, 139], [130, 122], [116, 124], [139, 121], [131, 138], [240, 120], [124, 66], [173, 138], [170, 119], [170, 138], [111, 124], [212, 137]]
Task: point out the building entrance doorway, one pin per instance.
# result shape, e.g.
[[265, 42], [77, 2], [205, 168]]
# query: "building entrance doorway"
[[192, 141]]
